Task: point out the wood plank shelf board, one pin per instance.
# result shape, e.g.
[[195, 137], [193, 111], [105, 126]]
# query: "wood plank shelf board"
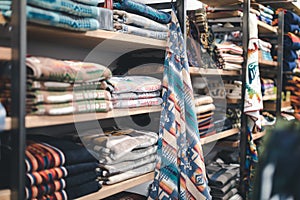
[[106, 191], [5, 53], [259, 135], [221, 3], [92, 38], [264, 28], [269, 97], [201, 71], [5, 194], [219, 136], [267, 63], [33, 121]]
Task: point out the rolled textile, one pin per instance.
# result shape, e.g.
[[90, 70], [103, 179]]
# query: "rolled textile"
[[49, 69], [40, 96], [37, 191], [134, 103], [129, 174], [134, 84], [143, 10], [291, 18], [202, 100], [72, 107], [135, 95], [290, 55], [128, 29], [139, 21], [135, 154], [56, 19], [67, 6], [291, 41], [289, 66], [45, 176], [83, 189], [119, 143], [125, 166], [293, 28]]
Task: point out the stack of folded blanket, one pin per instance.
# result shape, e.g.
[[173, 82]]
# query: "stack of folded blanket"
[[135, 91], [56, 87], [231, 54], [264, 14], [59, 169], [222, 179], [293, 85], [204, 109], [234, 117], [138, 19], [267, 87], [123, 154], [291, 49], [265, 50], [77, 15], [291, 21]]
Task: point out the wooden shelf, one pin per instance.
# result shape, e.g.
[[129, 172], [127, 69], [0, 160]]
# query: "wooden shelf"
[[119, 187], [219, 136], [33, 121], [267, 63], [5, 194], [271, 106], [269, 97], [5, 53], [235, 144], [93, 38], [194, 71], [221, 3], [264, 28]]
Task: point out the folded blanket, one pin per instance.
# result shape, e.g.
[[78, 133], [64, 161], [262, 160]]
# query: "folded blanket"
[[56, 19], [69, 7], [45, 176], [84, 189], [143, 10], [231, 66], [262, 8], [81, 168], [81, 179], [137, 103], [65, 71], [135, 154], [129, 174], [289, 66], [61, 86], [37, 191], [229, 48], [72, 107], [135, 95], [128, 29], [291, 18], [204, 115], [291, 41], [219, 176], [135, 84], [264, 45], [58, 195], [266, 15], [293, 28], [205, 108], [228, 195], [221, 191], [264, 19], [202, 100], [138, 21], [125, 166], [290, 55], [117, 144], [40, 96], [89, 2], [232, 58]]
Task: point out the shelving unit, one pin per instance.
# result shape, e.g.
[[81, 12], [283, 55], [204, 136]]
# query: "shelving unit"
[[264, 28], [34, 121], [219, 136], [109, 190]]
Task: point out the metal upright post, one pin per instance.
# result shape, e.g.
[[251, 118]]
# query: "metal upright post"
[[243, 137], [18, 92], [280, 63], [181, 15]]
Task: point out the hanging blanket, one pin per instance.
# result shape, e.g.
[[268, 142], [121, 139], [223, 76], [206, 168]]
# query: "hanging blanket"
[[180, 170]]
